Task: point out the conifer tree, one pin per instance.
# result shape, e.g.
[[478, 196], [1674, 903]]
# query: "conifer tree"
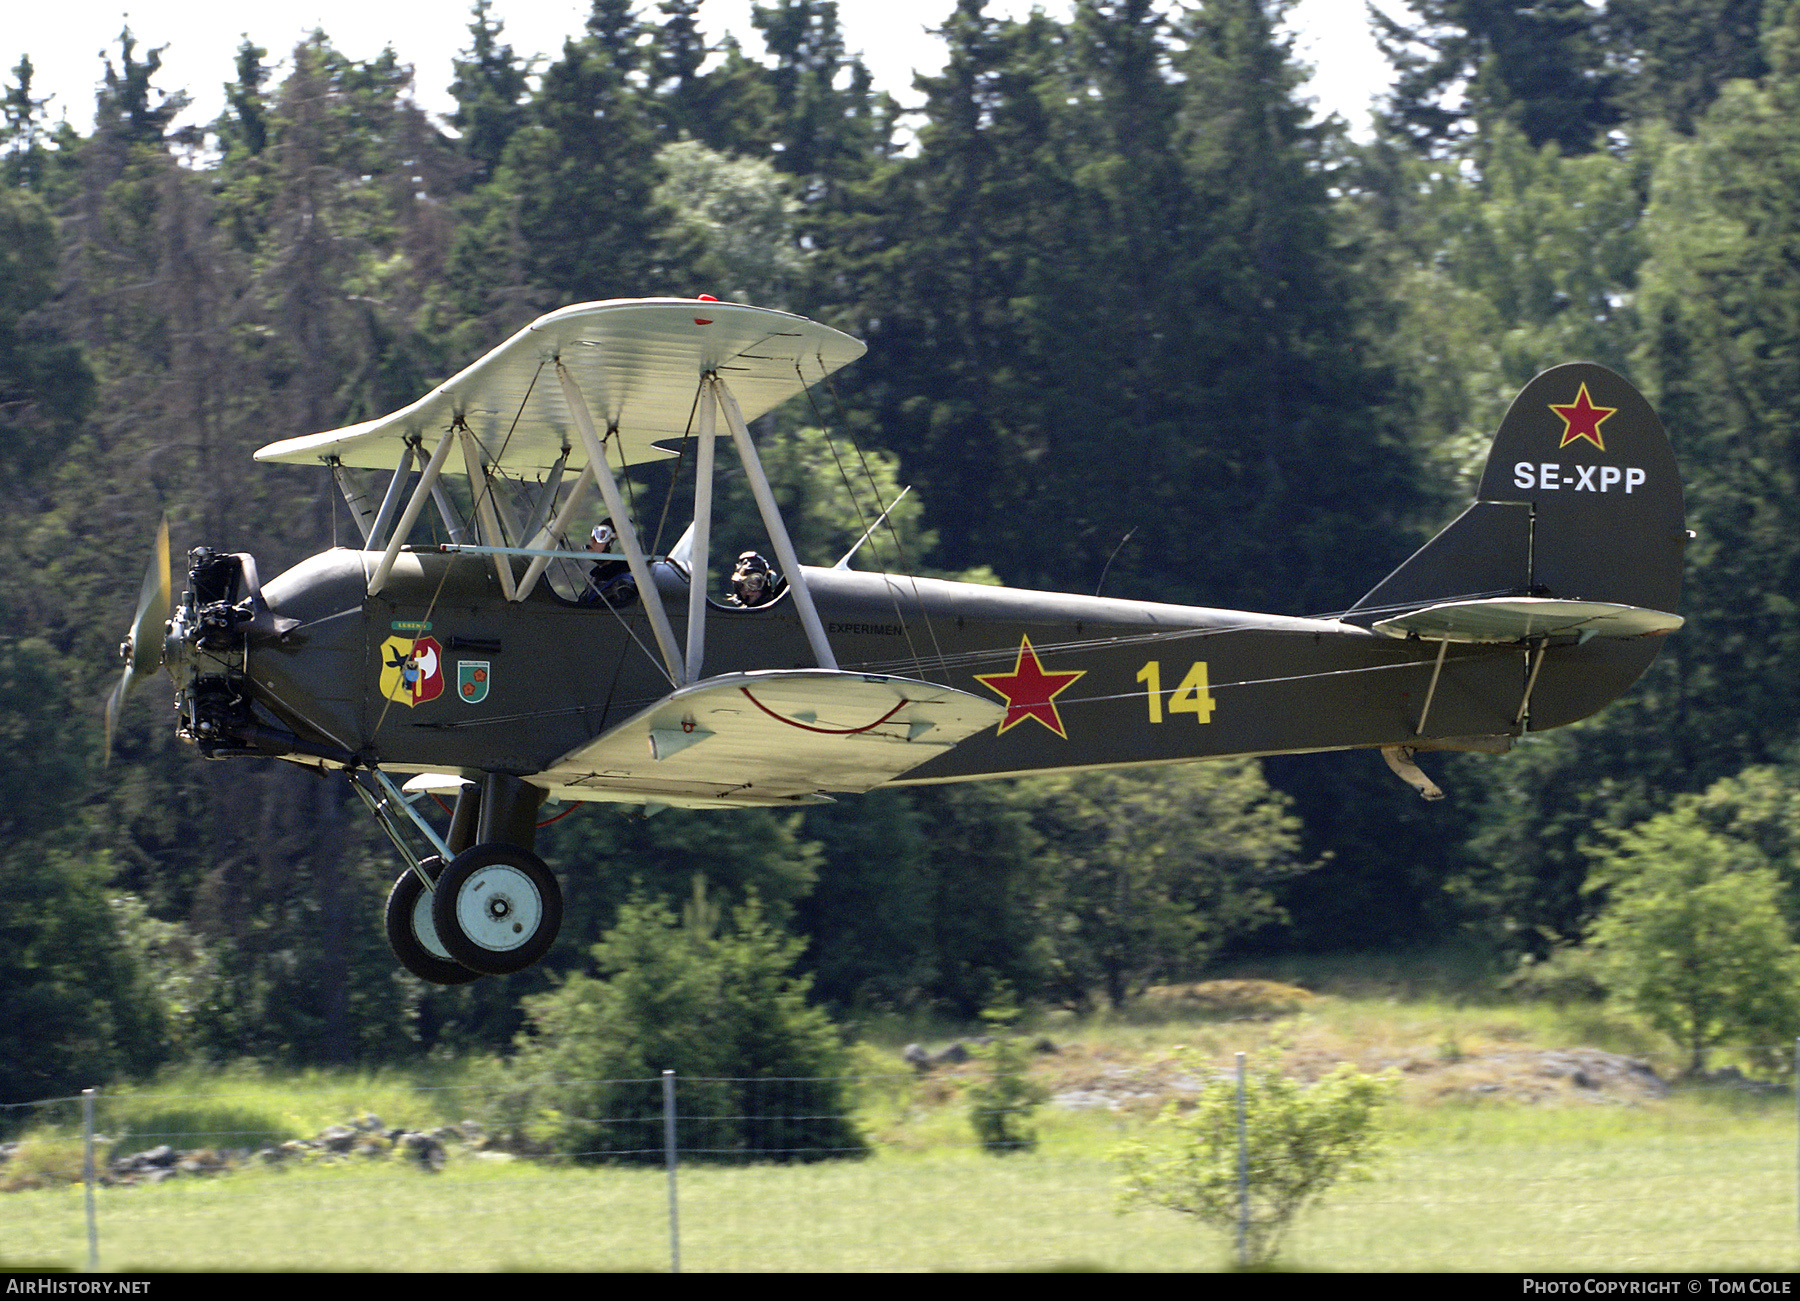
[[584, 173], [710, 997], [490, 90], [246, 128], [24, 158], [1718, 327], [142, 112], [1677, 55], [675, 60], [939, 254], [1539, 66], [813, 123]]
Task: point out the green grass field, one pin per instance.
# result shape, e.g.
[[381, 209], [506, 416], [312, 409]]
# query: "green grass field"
[[1679, 1188], [1488, 1166]]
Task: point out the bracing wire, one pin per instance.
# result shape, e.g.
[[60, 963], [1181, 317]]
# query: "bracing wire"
[[486, 486], [487, 473], [687, 437], [899, 549]]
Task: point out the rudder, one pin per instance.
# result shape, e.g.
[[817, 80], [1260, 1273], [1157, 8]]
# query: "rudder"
[[1580, 500]]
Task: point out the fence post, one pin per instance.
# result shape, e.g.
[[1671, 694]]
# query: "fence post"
[[668, 1079], [1243, 1226], [87, 1175]]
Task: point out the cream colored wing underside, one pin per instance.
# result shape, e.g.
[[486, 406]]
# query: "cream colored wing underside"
[[773, 737], [637, 362]]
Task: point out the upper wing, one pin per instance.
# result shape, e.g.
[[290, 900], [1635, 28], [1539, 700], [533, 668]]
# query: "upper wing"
[[638, 363], [771, 737]]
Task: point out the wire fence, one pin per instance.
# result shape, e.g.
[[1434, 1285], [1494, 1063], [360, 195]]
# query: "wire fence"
[[863, 1173]]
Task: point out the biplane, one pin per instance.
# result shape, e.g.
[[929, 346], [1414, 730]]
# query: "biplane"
[[484, 666]]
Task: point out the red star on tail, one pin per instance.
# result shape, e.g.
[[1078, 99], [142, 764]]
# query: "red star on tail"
[[1029, 691], [1582, 419]]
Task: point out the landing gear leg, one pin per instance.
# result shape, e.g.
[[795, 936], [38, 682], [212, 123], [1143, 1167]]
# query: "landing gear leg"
[[496, 908]]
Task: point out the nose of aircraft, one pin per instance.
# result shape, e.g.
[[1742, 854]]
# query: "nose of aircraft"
[[230, 650]]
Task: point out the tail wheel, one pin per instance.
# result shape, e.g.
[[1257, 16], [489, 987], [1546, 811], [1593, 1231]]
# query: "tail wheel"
[[497, 908], [413, 936]]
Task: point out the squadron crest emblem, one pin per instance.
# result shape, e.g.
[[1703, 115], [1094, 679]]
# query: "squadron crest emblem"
[[412, 670], [472, 678]]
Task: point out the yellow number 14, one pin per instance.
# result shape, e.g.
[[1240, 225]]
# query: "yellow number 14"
[[1191, 697]]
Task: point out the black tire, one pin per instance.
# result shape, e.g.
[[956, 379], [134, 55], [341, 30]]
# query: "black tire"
[[497, 909], [405, 920]]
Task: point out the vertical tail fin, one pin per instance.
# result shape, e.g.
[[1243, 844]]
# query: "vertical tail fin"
[[1581, 500]]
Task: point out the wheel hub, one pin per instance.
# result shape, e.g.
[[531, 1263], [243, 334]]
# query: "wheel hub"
[[500, 909]]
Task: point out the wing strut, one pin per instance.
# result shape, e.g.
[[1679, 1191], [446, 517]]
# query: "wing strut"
[[1521, 721], [482, 487], [545, 500], [410, 516], [390, 502], [452, 524], [700, 540], [615, 503], [356, 496], [547, 536], [1431, 691], [778, 534]]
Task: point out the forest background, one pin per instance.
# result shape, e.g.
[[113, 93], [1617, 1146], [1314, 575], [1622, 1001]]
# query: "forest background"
[[1133, 318]]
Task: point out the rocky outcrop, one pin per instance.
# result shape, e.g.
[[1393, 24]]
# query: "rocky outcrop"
[[364, 1139]]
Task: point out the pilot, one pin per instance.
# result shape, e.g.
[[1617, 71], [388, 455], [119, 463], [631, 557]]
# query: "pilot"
[[753, 581], [609, 581]]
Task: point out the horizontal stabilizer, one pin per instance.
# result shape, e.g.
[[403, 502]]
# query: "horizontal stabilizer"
[[1580, 500], [1527, 618], [772, 737]]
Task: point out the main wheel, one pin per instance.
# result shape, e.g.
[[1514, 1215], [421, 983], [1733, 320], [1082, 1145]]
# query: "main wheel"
[[497, 908], [413, 936]]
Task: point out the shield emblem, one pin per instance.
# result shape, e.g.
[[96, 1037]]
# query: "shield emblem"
[[472, 681], [411, 670]]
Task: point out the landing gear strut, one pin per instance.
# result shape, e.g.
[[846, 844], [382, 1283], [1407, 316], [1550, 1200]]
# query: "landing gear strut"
[[495, 908]]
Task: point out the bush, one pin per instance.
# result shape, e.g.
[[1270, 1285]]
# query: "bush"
[[43, 1161], [78, 1009], [1300, 1139], [758, 1071], [1567, 976], [1002, 1100], [1694, 936]]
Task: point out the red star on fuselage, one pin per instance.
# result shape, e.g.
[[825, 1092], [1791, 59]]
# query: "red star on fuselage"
[[1030, 692], [1582, 419]]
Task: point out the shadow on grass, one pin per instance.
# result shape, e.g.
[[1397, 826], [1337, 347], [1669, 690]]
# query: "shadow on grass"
[[1454, 973], [196, 1127]]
